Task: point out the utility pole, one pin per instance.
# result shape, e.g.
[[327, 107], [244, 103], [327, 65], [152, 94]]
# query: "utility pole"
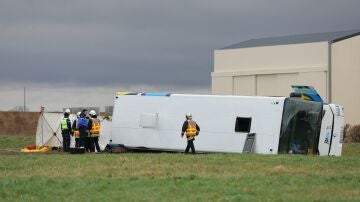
[[24, 100]]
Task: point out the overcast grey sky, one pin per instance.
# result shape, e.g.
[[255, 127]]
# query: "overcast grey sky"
[[152, 44]]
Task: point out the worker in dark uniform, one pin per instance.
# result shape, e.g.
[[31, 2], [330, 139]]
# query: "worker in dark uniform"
[[65, 125], [191, 129], [75, 131], [89, 145], [95, 129], [82, 126]]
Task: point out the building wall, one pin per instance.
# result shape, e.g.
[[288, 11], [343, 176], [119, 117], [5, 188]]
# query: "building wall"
[[345, 77], [281, 57], [271, 70], [222, 85]]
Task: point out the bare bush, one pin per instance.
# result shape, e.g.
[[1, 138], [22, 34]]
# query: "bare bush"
[[18, 123], [352, 134]]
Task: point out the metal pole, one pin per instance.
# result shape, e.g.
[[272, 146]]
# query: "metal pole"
[[42, 125], [24, 100], [42, 130], [329, 73]]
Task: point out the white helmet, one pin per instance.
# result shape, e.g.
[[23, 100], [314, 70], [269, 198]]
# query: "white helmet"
[[92, 112], [78, 114], [188, 115], [67, 111]]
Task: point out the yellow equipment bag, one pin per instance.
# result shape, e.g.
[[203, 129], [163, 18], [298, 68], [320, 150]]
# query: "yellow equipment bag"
[[31, 149]]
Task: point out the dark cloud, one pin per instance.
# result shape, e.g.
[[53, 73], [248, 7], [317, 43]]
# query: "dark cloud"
[[158, 42]]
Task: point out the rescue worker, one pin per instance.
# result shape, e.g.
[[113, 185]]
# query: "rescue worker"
[[82, 126], [95, 129], [89, 145], [65, 125], [191, 129], [75, 131]]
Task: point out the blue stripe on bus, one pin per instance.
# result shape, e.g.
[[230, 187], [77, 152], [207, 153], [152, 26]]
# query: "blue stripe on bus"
[[155, 94]]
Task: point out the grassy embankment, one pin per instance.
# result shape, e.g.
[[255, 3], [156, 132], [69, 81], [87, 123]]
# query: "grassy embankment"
[[169, 176]]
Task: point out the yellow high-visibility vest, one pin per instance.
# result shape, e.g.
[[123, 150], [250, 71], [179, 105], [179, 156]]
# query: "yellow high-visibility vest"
[[191, 130], [63, 124]]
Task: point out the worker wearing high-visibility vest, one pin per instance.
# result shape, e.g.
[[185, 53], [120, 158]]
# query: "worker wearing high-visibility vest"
[[76, 131], [95, 129], [65, 125], [191, 129]]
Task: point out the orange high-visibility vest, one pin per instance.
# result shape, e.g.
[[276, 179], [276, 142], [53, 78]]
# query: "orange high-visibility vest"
[[76, 133], [191, 129], [95, 129]]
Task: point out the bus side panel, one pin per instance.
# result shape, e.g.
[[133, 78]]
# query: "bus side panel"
[[216, 116]]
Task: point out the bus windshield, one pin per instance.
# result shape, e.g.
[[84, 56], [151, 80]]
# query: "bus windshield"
[[300, 127]]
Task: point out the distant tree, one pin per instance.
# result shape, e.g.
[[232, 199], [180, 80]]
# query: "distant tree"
[[19, 109]]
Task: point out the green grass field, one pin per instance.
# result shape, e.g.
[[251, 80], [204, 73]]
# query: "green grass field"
[[175, 177]]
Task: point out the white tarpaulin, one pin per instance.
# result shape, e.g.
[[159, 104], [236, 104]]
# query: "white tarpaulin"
[[48, 131]]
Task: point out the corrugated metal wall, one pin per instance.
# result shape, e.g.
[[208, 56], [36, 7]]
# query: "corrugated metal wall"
[[279, 84], [271, 70], [268, 58], [345, 77], [245, 85]]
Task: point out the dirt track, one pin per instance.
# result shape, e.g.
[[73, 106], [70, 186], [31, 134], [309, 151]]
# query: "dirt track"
[[18, 123]]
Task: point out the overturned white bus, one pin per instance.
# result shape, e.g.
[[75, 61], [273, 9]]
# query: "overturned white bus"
[[280, 124]]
